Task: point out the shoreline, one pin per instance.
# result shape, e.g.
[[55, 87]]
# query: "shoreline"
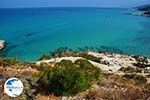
[[109, 62], [84, 49], [145, 11], [141, 14], [92, 51], [117, 70]]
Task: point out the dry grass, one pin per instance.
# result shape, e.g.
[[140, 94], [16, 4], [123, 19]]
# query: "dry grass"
[[44, 97], [111, 87], [116, 88]]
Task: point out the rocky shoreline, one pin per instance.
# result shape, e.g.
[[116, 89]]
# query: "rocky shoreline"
[[118, 67], [110, 62], [145, 11], [145, 14]]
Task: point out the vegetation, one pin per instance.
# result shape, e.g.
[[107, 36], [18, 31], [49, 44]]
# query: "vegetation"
[[91, 71], [131, 70], [138, 78], [144, 8], [142, 62], [86, 49], [109, 49], [147, 13], [90, 57], [62, 51], [115, 87], [67, 78], [8, 61], [44, 57], [141, 59]]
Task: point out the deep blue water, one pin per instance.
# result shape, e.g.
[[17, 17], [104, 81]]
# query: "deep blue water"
[[35, 31]]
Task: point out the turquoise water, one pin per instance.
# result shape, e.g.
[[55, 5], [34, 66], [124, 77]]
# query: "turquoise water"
[[35, 31]]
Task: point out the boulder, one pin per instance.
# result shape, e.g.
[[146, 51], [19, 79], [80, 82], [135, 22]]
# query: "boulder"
[[2, 44]]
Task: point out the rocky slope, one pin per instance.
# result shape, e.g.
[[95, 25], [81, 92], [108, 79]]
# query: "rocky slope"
[[145, 11], [124, 77]]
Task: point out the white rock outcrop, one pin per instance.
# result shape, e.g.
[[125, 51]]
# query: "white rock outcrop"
[[2, 44]]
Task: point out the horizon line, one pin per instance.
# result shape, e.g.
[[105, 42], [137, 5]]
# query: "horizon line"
[[61, 7], [71, 7]]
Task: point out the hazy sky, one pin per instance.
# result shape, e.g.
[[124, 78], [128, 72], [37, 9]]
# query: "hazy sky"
[[70, 3]]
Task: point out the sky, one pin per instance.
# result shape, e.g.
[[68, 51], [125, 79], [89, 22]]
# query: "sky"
[[71, 3]]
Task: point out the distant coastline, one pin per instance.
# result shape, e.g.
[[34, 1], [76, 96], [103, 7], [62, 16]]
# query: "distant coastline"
[[145, 11]]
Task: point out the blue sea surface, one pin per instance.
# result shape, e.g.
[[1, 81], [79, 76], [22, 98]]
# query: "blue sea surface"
[[31, 32]]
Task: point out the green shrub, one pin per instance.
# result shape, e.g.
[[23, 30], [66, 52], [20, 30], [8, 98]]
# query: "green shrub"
[[67, 78], [142, 62], [8, 61], [90, 69], [130, 70], [144, 8], [44, 57], [138, 78], [90, 57], [62, 51]]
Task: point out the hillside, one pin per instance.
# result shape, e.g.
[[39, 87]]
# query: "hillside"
[[143, 8], [145, 11], [80, 75]]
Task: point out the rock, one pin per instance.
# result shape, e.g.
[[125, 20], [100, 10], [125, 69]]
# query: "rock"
[[145, 14], [2, 44], [147, 70], [64, 98]]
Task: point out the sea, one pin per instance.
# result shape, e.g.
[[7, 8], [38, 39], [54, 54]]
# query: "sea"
[[32, 32]]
